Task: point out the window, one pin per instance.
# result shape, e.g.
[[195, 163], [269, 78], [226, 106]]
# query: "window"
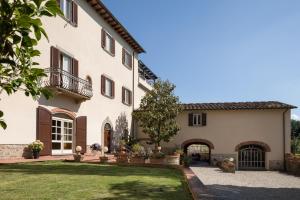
[[126, 96], [66, 7], [196, 119], [62, 135], [127, 58], [107, 87], [108, 43]]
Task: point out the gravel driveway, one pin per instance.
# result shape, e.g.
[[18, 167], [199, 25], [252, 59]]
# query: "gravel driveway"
[[248, 184]]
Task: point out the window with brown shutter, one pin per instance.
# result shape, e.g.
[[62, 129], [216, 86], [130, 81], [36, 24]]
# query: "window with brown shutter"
[[107, 87], [197, 119], [107, 42], [126, 58], [190, 122], [126, 96], [43, 132], [204, 119], [81, 132], [70, 10]]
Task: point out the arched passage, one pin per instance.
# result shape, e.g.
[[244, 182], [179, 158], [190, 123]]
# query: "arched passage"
[[198, 149], [252, 155]]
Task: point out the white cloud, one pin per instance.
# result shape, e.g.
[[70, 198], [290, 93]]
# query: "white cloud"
[[295, 117]]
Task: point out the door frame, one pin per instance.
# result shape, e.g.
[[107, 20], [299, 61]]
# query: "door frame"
[[62, 151]]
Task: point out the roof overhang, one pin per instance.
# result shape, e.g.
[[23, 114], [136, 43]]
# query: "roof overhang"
[[103, 11], [258, 105]]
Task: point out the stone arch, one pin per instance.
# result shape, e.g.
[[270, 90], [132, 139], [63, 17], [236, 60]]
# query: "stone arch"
[[106, 121], [265, 146], [197, 141], [71, 114]]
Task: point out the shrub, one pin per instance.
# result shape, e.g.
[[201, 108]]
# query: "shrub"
[[36, 146]]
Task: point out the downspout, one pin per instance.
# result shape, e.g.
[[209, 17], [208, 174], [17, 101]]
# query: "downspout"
[[133, 96], [284, 133]]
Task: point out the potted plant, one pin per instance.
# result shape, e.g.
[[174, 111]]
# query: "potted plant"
[[36, 147], [77, 156], [178, 152], [122, 156], [104, 158], [138, 154], [186, 161]]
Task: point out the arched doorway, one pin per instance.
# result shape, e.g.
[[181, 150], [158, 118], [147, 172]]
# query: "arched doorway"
[[198, 149], [251, 156], [107, 136]]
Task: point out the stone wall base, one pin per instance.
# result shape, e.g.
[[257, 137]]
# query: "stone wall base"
[[276, 165], [8, 151]]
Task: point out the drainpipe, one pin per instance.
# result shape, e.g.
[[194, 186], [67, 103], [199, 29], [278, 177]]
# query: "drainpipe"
[[283, 132], [133, 95]]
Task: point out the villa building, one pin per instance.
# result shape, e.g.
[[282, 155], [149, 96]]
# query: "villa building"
[[255, 134], [97, 79]]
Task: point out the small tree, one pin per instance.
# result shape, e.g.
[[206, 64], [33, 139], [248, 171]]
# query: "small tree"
[[158, 111], [20, 30]]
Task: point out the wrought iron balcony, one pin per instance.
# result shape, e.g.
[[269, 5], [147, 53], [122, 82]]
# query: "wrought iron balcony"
[[146, 76], [67, 83]]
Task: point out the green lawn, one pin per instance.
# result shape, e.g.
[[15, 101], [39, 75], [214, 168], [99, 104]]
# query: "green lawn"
[[62, 180]]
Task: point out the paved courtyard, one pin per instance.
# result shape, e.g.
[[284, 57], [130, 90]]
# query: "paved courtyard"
[[247, 184]]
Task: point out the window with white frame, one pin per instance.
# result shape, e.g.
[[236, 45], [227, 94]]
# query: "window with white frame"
[[196, 119], [108, 43], [108, 87]]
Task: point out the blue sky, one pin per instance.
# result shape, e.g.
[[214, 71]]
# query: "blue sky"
[[218, 51]]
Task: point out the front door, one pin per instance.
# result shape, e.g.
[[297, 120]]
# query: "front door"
[[107, 139], [62, 136]]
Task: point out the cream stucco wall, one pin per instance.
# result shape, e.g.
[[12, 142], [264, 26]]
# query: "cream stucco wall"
[[226, 129], [84, 44]]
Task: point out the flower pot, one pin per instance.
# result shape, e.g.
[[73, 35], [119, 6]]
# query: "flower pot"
[[122, 158], [78, 157], [36, 154], [172, 160]]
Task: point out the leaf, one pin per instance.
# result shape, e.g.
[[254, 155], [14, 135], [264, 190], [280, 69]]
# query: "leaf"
[[3, 124]]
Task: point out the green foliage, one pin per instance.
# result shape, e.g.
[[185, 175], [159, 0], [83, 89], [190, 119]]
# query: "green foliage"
[[20, 30], [158, 111], [36, 146], [295, 144], [295, 128]]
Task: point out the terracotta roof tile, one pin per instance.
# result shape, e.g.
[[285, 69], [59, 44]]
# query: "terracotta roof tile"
[[238, 106]]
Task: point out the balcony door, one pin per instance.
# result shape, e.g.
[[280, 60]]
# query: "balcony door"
[[62, 136], [66, 66]]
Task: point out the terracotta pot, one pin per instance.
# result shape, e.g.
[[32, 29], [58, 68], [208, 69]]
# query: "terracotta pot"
[[122, 158], [78, 157], [172, 160]]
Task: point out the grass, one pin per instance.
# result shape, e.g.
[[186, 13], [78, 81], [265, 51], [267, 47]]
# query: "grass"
[[61, 180]]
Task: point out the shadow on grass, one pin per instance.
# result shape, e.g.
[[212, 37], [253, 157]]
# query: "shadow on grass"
[[66, 168], [240, 192], [140, 190]]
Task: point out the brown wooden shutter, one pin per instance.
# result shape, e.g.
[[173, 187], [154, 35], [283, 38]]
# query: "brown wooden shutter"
[[74, 13], [113, 48], [102, 84], [43, 132], [54, 65], [203, 119], [81, 130], [123, 55], [103, 37], [123, 95], [113, 89], [190, 119]]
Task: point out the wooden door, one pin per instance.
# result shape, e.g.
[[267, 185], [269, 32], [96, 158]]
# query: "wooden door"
[[107, 139]]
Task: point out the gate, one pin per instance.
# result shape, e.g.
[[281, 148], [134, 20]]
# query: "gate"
[[251, 157]]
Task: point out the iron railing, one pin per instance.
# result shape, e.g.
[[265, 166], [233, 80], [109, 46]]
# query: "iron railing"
[[65, 80]]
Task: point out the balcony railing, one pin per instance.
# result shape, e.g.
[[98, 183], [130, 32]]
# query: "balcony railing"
[[66, 81]]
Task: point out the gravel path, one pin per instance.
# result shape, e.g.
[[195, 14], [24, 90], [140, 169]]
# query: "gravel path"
[[248, 184]]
